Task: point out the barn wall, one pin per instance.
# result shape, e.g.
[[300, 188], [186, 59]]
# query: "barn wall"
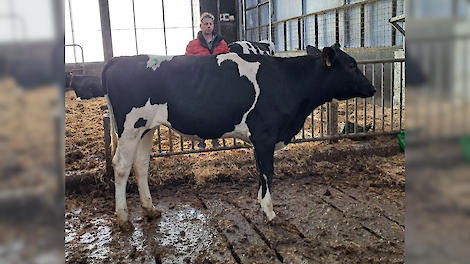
[[298, 23]]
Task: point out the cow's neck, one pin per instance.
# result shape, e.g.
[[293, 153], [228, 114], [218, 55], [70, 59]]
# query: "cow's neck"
[[315, 89]]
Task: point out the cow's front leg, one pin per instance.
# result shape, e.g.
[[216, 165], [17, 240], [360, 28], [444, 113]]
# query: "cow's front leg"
[[264, 154], [141, 167]]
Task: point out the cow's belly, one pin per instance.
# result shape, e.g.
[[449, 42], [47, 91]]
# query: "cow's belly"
[[188, 136], [238, 132]]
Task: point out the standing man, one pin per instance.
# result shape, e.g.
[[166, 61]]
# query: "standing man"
[[207, 42]]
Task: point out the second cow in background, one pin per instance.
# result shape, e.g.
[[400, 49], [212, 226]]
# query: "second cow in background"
[[264, 47]]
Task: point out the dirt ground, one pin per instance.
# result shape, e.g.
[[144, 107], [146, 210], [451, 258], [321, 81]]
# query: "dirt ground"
[[342, 202]]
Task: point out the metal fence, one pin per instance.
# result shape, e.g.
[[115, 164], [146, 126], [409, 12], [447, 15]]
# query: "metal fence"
[[354, 118], [293, 25]]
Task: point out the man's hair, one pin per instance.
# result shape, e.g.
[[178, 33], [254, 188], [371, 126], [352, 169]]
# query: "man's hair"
[[208, 15]]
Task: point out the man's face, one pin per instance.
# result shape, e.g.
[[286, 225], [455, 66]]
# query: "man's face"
[[207, 26]]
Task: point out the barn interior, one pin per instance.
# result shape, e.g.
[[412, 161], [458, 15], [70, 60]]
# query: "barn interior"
[[339, 187]]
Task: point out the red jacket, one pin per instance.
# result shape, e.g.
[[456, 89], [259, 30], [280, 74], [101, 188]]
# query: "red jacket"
[[199, 46]]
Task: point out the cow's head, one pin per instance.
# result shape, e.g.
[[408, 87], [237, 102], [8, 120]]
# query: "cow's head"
[[344, 79]]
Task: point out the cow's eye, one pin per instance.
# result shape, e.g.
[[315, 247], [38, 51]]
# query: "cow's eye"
[[352, 65]]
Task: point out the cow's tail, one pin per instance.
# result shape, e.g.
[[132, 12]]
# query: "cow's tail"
[[103, 73], [113, 126]]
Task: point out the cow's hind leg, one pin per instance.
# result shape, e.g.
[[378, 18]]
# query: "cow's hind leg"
[[141, 167], [122, 163], [264, 154]]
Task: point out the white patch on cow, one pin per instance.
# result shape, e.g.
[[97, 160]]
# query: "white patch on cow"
[[247, 47], [248, 69], [241, 131], [266, 202], [272, 48], [155, 61], [155, 115], [280, 145]]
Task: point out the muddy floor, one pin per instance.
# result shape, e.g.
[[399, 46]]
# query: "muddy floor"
[[340, 202]]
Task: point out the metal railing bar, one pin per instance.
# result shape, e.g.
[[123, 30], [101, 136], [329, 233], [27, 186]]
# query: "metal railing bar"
[[170, 138], [303, 131], [392, 88], [346, 117], [382, 88], [159, 140], [343, 136], [191, 151], [375, 61], [373, 97], [312, 120], [83, 56], [321, 120], [181, 142], [328, 128], [466, 95], [402, 66], [355, 115], [364, 70]]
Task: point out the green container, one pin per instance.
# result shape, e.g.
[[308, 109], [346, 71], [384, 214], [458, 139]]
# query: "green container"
[[401, 139], [465, 143]]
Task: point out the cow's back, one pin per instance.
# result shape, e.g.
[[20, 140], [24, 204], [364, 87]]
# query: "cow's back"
[[200, 94]]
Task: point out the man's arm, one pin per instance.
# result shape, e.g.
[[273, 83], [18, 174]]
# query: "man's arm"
[[221, 47], [225, 46], [189, 48]]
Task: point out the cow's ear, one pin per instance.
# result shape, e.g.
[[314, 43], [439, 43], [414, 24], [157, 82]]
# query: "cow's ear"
[[336, 46], [312, 50], [328, 56]]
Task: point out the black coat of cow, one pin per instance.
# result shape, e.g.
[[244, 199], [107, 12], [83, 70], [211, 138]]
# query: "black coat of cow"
[[85, 86], [260, 99]]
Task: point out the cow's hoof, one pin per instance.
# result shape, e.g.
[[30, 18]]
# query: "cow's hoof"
[[126, 226], [277, 221], [152, 212]]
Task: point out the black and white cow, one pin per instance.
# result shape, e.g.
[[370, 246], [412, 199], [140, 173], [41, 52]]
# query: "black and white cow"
[[264, 47], [260, 99], [85, 86]]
